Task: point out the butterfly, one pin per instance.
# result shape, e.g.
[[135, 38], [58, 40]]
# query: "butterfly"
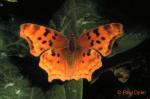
[[70, 57]]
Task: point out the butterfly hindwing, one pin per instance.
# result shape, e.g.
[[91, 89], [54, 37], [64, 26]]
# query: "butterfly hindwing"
[[101, 38], [41, 38], [86, 63], [54, 64]]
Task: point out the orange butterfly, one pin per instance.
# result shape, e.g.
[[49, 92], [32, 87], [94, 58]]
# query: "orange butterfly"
[[71, 57]]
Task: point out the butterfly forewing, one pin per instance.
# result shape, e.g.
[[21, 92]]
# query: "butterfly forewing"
[[41, 38], [101, 38]]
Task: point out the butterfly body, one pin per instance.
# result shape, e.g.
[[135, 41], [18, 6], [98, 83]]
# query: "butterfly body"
[[70, 57]]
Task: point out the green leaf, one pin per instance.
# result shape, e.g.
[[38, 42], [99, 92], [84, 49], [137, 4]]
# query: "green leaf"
[[66, 90], [56, 92], [129, 41], [11, 0], [12, 83], [74, 89], [77, 16]]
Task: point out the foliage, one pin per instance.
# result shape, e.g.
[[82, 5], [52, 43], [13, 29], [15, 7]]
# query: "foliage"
[[11, 0], [129, 41]]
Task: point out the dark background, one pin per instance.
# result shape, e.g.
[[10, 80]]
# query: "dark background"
[[131, 13]]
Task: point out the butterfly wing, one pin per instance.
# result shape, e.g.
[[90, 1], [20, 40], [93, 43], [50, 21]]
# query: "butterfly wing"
[[101, 38], [54, 64], [86, 63], [41, 38], [48, 43]]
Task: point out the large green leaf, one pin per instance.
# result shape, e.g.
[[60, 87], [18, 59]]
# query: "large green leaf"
[[129, 41], [74, 89], [12, 83], [11, 0], [70, 89], [56, 92], [76, 16]]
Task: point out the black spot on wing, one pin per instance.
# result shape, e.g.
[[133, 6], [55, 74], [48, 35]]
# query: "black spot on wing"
[[50, 43], [87, 34], [89, 53], [58, 55], [53, 37], [41, 49], [95, 31], [83, 54], [98, 42], [39, 38], [53, 53], [55, 34], [103, 38], [89, 37], [92, 43], [58, 62], [47, 31], [43, 42]]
